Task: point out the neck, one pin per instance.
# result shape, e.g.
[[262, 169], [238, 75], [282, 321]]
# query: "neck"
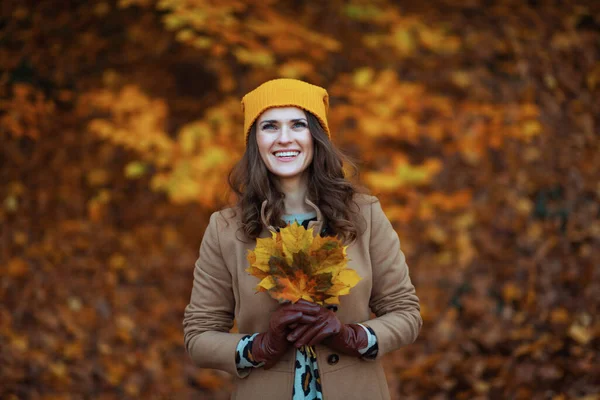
[[295, 193]]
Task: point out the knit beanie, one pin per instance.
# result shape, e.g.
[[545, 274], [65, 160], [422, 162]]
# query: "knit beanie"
[[285, 93]]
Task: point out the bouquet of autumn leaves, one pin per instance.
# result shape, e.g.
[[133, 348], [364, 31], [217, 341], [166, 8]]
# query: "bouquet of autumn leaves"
[[294, 265]]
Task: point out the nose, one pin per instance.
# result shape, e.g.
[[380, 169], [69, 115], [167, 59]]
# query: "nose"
[[284, 135]]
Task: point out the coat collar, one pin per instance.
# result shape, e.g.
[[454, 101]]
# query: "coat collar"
[[316, 225]]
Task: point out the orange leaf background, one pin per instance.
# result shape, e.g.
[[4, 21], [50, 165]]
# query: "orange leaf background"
[[476, 124]]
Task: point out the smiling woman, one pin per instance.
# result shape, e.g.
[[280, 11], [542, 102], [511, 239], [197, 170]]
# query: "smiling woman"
[[285, 145], [291, 171]]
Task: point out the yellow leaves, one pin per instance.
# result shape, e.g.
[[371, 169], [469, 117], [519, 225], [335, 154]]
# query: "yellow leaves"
[[136, 122], [377, 106], [185, 35], [362, 76], [425, 207], [267, 283], [193, 137], [403, 34], [191, 167], [11, 203], [254, 33], [398, 97], [265, 249], [403, 41], [295, 239], [531, 128], [582, 330], [19, 343], [438, 41], [74, 303], [258, 58], [202, 42], [173, 22], [436, 234], [59, 370], [404, 174], [135, 169], [580, 334], [345, 280], [294, 287], [461, 79], [293, 265], [296, 69], [327, 255], [363, 12]]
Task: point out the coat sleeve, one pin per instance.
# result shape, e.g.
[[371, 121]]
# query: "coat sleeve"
[[393, 299], [209, 315]]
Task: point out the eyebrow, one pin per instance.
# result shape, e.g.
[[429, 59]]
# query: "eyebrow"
[[274, 121]]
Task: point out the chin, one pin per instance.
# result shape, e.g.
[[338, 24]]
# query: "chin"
[[286, 174]]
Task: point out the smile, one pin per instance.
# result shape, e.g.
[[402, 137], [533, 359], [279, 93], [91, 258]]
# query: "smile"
[[286, 156]]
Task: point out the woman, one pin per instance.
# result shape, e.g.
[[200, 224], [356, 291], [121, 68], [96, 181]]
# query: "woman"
[[291, 171]]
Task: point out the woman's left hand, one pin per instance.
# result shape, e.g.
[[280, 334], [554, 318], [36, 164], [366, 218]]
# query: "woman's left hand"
[[326, 324], [344, 338]]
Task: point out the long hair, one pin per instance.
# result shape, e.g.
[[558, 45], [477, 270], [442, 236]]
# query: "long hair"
[[328, 187]]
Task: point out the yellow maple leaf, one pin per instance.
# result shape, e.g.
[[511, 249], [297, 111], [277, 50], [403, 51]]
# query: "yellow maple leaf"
[[328, 256], [267, 283], [293, 264], [265, 248], [295, 239]]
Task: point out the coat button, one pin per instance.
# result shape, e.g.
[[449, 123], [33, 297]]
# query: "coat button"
[[333, 359]]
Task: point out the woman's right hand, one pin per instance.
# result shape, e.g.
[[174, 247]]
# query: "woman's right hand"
[[268, 347]]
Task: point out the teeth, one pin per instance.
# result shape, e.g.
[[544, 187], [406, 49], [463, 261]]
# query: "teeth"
[[286, 153]]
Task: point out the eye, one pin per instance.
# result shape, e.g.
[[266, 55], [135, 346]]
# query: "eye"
[[300, 124], [268, 126]]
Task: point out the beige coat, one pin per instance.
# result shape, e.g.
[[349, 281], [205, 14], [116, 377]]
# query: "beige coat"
[[223, 290]]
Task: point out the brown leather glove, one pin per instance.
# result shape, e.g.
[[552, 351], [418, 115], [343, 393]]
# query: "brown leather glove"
[[349, 340], [268, 347], [343, 338]]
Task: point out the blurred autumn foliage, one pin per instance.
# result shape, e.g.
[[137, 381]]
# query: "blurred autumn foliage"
[[477, 123]]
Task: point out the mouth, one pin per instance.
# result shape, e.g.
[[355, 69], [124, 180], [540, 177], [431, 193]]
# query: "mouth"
[[286, 155]]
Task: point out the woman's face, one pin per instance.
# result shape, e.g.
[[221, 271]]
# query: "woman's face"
[[284, 141]]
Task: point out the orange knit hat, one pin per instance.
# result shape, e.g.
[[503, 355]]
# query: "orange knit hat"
[[285, 93]]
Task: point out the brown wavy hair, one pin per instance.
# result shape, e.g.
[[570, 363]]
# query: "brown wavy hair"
[[328, 187]]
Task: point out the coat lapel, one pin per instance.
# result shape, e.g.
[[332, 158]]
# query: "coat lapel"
[[316, 225]]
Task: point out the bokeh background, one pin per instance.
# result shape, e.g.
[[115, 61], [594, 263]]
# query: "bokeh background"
[[476, 123]]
